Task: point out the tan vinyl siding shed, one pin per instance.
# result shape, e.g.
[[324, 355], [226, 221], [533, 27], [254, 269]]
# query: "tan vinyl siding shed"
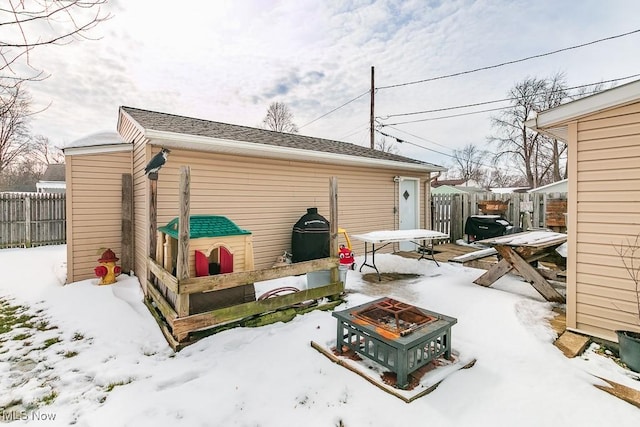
[[603, 135], [94, 168], [262, 180]]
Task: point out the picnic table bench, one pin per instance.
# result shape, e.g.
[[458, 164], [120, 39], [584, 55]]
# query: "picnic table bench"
[[518, 251]]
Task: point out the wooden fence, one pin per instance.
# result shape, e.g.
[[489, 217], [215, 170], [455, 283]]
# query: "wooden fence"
[[32, 219], [449, 212]]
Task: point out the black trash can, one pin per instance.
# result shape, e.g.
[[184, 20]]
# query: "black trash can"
[[310, 237]]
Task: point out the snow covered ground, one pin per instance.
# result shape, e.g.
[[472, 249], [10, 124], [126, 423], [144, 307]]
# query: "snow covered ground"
[[94, 356]]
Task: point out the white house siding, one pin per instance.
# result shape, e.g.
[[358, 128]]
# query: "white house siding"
[[607, 212], [94, 209]]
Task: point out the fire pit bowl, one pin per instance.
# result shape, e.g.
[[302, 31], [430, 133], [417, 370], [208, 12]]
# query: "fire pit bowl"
[[397, 335]]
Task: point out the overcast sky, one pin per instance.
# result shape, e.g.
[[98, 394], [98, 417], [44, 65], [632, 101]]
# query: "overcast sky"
[[228, 60]]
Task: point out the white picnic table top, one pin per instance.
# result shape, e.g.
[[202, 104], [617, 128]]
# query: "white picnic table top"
[[539, 238], [388, 236]]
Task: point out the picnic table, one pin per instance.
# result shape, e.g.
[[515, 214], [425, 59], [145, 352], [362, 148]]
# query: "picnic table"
[[518, 251], [392, 236]]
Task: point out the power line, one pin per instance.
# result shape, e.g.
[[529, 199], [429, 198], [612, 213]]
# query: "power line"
[[470, 113], [437, 110], [403, 141], [337, 108], [485, 103], [424, 139], [509, 62], [360, 128], [469, 72]]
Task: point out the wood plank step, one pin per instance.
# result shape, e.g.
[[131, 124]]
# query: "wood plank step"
[[571, 344]]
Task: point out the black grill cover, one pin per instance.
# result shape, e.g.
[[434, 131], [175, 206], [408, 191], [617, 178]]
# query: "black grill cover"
[[480, 227], [310, 237]]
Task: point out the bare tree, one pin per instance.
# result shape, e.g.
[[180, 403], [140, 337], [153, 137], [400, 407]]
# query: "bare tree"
[[535, 154], [21, 175], [386, 146], [468, 162], [15, 140], [279, 118], [44, 152], [497, 177], [555, 94], [28, 24]]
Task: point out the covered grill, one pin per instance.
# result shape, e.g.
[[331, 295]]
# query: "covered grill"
[[478, 227], [310, 237]]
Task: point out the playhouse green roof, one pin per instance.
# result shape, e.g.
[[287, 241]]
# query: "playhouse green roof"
[[205, 226]]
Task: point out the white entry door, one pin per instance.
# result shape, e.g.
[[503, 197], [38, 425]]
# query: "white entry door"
[[409, 208]]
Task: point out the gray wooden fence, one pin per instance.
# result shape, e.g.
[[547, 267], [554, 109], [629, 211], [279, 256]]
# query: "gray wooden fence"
[[449, 212], [32, 219]]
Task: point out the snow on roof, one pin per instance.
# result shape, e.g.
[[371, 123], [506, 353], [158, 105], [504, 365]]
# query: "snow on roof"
[[554, 187], [504, 190], [96, 139]]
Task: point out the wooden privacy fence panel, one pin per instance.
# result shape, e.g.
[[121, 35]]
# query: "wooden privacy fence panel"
[[449, 212], [32, 219]]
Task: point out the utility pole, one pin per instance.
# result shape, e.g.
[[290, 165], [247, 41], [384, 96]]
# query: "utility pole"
[[371, 128]]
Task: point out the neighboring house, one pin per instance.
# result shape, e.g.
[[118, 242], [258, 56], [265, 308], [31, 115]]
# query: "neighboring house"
[[561, 186], [263, 181], [603, 135], [53, 180]]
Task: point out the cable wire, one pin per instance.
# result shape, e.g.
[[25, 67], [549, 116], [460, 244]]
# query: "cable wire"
[[489, 67], [484, 103], [504, 99], [403, 141], [335, 109]]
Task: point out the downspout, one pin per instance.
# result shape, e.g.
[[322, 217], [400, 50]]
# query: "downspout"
[[429, 211]]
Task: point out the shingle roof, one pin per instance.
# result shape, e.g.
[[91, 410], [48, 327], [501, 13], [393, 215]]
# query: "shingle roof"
[[164, 122], [205, 226]]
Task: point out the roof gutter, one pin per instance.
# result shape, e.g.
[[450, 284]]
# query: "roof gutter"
[[556, 132], [554, 122], [226, 146], [97, 149]]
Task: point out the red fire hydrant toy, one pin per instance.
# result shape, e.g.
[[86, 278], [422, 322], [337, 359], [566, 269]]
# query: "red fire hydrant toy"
[[346, 257], [107, 270]]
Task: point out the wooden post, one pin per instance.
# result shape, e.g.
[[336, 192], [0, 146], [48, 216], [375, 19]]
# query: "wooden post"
[[153, 216], [372, 129], [182, 267], [27, 222], [126, 257], [456, 230], [153, 220], [333, 221]]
